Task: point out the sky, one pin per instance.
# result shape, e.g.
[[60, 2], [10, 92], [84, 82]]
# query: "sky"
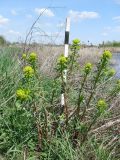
[[91, 20]]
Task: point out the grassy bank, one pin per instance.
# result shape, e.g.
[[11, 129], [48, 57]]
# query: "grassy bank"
[[33, 125]]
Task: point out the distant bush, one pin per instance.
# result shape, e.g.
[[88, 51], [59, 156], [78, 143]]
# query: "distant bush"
[[2, 40], [110, 44]]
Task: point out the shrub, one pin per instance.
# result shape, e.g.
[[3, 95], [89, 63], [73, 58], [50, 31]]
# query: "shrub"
[[2, 40]]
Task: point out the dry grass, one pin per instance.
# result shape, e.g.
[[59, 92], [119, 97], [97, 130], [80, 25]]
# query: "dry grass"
[[49, 54]]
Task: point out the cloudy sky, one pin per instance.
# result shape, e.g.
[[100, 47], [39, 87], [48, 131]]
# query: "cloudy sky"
[[93, 20]]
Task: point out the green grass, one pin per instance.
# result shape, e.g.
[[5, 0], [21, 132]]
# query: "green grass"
[[9, 73]]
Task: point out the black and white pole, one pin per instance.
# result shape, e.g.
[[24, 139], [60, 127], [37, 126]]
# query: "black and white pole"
[[66, 47]]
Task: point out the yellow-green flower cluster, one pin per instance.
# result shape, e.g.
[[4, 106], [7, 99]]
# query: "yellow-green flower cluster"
[[62, 60], [101, 105], [22, 94], [24, 56], [75, 44], [28, 71], [111, 72], [33, 56], [88, 68], [107, 54], [76, 41], [118, 84]]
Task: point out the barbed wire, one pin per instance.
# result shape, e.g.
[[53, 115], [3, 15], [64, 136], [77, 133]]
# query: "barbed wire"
[[36, 29]]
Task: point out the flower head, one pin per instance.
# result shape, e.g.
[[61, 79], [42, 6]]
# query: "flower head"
[[76, 41], [101, 105], [33, 56], [22, 94], [111, 72], [107, 54], [24, 56], [62, 60], [28, 71], [118, 82], [88, 68]]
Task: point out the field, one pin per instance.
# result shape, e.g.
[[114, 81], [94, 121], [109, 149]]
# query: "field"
[[34, 125]]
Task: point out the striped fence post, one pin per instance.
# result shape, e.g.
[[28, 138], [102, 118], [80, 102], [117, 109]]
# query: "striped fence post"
[[66, 47]]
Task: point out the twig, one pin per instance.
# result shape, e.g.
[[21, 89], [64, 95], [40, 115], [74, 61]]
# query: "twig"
[[31, 28], [111, 142], [7, 100], [106, 126]]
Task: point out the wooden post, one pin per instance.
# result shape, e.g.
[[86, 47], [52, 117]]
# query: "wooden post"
[[66, 47]]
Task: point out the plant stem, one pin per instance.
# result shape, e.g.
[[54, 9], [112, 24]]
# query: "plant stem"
[[80, 90], [39, 130], [94, 87]]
